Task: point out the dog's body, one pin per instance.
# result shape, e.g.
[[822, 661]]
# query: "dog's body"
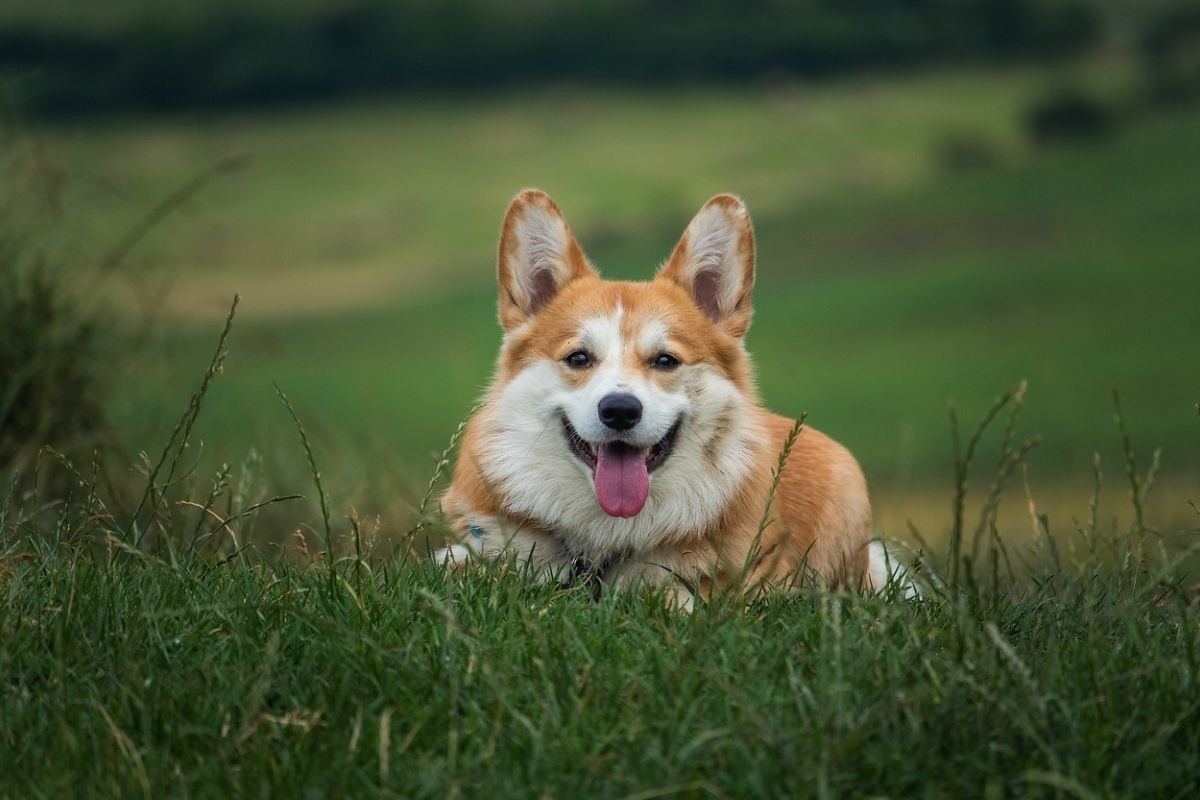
[[622, 435]]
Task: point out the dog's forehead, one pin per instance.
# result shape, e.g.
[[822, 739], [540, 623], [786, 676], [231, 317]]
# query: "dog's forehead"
[[642, 328], [638, 319], [602, 333]]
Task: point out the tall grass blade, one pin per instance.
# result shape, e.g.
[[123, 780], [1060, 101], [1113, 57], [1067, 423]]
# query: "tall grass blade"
[[754, 552], [962, 470], [316, 475], [183, 429], [439, 469]]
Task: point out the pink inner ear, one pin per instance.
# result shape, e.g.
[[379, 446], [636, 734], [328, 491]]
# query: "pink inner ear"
[[544, 288], [704, 291]]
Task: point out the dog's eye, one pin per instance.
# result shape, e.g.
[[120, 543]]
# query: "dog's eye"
[[665, 361], [578, 360]]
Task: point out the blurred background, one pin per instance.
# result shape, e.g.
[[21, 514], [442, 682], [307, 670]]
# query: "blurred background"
[[951, 196]]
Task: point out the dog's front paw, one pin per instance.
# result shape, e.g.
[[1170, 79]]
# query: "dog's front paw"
[[455, 555]]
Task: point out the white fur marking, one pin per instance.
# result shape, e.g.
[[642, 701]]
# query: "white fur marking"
[[652, 338], [453, 554], [883, 569], [524, 454], [601, 336]]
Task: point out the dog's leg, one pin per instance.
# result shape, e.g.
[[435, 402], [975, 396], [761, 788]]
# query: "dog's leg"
[[884, 569], [454, 554], [529, 548], [661, 571]]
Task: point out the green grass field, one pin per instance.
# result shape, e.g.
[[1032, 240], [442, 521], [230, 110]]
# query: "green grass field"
[[361, 239], [135, 662], [181, 640], [150, 681]]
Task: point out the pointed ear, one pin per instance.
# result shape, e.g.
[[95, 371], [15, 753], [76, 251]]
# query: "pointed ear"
[[538, 256], [714, 263]]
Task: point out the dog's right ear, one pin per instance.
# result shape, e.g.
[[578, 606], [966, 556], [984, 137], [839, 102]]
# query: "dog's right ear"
[[538, 256]]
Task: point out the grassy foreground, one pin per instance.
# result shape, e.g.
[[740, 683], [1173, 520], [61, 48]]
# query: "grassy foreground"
[[151, 648], [123, 676]]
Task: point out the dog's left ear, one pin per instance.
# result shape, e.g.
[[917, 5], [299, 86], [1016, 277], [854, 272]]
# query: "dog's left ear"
[[538, 257], [714, 263]]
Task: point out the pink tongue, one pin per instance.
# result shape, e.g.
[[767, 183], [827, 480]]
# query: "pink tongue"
[[622, 481]]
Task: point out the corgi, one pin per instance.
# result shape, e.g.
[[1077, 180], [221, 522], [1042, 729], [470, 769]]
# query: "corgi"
[[622, 441]]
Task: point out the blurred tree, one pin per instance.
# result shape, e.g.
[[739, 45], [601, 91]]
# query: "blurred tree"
[[77, 57]]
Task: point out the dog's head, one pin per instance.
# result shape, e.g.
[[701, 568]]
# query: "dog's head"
[[612, 394]]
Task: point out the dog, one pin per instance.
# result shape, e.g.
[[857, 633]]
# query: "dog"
[[622, 441]]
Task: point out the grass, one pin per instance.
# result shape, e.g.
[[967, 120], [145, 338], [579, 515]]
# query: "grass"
[[193, 666], [204, 680], [184, 623], [887, 285], [412, 187]]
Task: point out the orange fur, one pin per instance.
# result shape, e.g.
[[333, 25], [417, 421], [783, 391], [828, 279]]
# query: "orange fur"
[[819, 524]]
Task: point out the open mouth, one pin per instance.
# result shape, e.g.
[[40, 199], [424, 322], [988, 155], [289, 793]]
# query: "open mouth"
[[620, 471]]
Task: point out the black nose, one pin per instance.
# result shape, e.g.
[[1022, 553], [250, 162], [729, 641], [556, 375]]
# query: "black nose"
[[620, 411]]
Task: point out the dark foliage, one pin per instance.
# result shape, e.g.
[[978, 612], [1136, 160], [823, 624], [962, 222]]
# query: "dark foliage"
[[50, 381], [252, 54], [1172, 53], [1069, 115]]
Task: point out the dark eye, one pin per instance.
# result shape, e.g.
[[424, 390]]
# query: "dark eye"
[[578, 360], [665, 361]]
